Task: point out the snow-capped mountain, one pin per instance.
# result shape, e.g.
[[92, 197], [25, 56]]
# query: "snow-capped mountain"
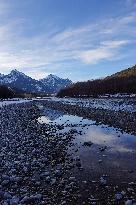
[[20, 81], [56, 82]]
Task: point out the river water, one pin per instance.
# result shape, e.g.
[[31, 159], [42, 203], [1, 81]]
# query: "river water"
[[112, 152]]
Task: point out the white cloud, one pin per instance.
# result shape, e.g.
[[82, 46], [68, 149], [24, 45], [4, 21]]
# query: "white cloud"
[[115, 44], [107, 51], [94, 56]]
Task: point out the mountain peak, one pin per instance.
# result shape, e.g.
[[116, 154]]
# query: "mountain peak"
[[52, 76], [16, 72]]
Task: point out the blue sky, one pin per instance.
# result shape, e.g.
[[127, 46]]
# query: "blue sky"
[[76, 39]]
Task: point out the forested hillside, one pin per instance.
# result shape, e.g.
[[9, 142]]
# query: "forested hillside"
[[121, 82]]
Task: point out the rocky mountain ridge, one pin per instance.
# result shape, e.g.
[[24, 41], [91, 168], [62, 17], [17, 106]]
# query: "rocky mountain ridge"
[[18, 80]]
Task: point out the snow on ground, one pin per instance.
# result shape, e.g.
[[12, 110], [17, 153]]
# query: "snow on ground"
[[13, 101], [117, 104]]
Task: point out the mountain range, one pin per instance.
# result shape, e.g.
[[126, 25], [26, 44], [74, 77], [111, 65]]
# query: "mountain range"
[[120, 82], [19, 81]]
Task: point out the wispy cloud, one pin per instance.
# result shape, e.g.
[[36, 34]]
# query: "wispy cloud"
[[131, 3], [107, 51], [87, 44]]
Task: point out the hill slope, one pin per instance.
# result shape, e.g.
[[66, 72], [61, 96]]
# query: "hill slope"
[[125, 73], [121, 82]]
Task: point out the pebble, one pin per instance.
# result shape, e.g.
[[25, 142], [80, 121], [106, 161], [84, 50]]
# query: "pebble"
[[103, 180], [89, 143], [130, 202], [118, 196]]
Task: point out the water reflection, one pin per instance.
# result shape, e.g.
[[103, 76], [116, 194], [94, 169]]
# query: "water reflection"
[[120, 151], [98, 134], [49, 115]]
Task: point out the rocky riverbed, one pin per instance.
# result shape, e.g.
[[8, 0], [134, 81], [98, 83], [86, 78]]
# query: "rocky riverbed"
[[44, 163], [123, 120]]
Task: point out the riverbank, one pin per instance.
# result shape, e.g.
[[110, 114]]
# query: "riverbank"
[[125, 121]]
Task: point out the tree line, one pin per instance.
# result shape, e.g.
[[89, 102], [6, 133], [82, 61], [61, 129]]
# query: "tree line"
[[117, 83], [6, 92]]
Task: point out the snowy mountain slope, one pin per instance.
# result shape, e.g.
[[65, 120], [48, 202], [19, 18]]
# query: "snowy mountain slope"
[[20, 81], [56, 82]]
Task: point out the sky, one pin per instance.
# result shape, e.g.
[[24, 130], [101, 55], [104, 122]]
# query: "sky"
[[75, 39]]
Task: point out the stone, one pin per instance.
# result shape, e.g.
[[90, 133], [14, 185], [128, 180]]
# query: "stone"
[[7, 195], [89, 143], [14, 200], [103, 180], [118, 196]]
